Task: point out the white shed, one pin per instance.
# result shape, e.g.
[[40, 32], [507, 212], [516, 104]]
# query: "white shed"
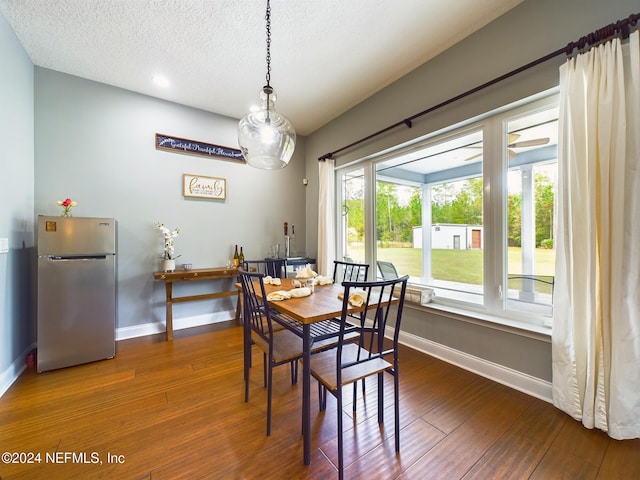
[[451, 236]]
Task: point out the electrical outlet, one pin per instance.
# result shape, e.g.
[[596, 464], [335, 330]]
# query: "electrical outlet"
[[4, 245]]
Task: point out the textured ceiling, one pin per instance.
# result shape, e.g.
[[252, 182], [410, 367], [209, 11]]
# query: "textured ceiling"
[[327, 55]]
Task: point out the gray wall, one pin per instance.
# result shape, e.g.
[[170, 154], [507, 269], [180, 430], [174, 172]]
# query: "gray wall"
[[95, 144], [17, 331], [526, 33]]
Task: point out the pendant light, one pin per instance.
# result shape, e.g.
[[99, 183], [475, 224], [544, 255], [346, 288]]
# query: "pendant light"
[[267, 138]]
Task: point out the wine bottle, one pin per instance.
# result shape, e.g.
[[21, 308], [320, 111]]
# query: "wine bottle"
[[241, 258], [236, 258]]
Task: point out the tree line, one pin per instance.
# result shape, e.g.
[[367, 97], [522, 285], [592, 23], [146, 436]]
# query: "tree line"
[[451, 203]]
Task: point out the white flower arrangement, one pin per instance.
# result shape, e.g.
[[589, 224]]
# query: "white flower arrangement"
[[169, 235]]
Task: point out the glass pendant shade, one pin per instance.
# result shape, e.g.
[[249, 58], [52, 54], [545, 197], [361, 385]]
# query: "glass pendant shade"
[[266, 138]]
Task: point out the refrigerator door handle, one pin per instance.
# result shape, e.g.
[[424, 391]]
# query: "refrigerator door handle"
[[57, 258]]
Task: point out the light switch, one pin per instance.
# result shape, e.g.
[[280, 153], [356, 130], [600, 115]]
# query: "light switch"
[[4, 245]]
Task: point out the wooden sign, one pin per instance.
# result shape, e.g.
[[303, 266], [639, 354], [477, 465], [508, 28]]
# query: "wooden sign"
[[194, 147], [204, 187]]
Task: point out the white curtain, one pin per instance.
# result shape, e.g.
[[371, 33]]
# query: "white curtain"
[[326, 217], [596, 328]]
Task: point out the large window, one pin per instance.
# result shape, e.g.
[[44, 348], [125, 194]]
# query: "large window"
[[468, 213]]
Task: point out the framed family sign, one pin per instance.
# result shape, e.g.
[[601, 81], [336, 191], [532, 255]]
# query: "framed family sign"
[[204, 187]]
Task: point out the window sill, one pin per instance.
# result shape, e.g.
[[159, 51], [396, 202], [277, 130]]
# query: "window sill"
[[518, 327]]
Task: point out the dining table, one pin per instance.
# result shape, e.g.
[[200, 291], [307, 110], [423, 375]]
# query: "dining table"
[[324, 303]]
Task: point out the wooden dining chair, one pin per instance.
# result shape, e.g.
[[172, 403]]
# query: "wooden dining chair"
[[349, 271], [273, 267], [279, 346], [349, 362]]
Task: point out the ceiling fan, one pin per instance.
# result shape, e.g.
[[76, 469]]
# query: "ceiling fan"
[[513, 143]]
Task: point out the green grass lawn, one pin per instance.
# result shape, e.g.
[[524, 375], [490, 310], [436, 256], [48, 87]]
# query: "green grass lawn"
[[464, 266]]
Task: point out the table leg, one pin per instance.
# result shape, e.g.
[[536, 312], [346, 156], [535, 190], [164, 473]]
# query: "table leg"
[[306, 391], [169, 315], [246, 329]]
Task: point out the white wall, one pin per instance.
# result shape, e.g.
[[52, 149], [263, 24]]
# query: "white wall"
[[17, 332], [96, 144]]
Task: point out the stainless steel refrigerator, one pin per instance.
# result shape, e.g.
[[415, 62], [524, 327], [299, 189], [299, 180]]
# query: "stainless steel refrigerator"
[[76, 290]]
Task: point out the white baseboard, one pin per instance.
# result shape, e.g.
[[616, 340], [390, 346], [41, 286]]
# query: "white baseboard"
[[512, 378], [145, 329], [153, 328], [12, 373]]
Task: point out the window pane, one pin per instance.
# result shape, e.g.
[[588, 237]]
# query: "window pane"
[[429, 216], [353, 232], [457, 256], [532, 154], [398, 215]]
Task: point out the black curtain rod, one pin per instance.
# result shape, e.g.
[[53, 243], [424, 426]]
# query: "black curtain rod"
[[620, 28]]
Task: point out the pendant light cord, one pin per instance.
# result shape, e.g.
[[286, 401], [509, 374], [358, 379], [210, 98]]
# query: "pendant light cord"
[[268, 19]]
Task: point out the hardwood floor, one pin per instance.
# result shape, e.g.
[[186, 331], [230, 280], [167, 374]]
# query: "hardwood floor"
[[175, 410]]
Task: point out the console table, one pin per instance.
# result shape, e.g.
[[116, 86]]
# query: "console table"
[[216, 273]]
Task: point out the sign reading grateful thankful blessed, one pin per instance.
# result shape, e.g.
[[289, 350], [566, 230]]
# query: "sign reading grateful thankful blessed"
[[194, 147]]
